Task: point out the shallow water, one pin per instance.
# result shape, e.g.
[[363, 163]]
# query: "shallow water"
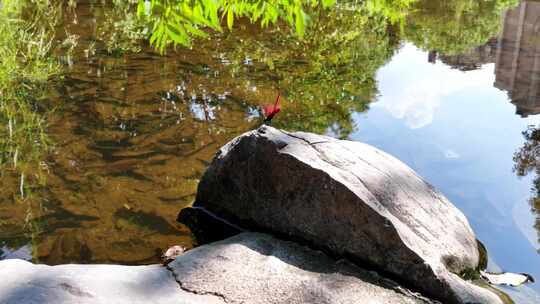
[[132, 132]]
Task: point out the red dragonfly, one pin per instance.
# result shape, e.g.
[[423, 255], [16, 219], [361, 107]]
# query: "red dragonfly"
[[271, 110]]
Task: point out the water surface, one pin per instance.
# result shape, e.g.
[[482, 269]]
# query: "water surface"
[[448, 87]]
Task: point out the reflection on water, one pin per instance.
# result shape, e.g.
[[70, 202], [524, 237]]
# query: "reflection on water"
[[516, 54], [132, 131], [465, 149], [518, 72], [473, 59], [450, 122], [518, 58], [527, 161], [132, 135]]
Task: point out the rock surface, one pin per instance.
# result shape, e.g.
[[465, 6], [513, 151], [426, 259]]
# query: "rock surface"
[[25, 283], [257, 268], [248, 268], [349, 198]]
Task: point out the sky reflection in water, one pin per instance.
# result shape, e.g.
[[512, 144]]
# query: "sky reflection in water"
[[459, 132]]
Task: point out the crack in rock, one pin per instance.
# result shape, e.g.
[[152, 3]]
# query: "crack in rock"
[[304, 139], [76, 291], [202, 293]]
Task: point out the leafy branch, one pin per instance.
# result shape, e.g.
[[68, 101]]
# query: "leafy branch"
[[176, 22]]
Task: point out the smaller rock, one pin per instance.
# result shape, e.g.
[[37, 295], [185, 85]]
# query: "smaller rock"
[[506, 278], [172, 253]]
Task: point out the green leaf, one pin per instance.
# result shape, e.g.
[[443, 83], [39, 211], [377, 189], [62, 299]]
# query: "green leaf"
[[230, 18], [300, 21], [328, 3]]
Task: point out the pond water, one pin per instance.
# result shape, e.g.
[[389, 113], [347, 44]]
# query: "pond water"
[[449, 87]]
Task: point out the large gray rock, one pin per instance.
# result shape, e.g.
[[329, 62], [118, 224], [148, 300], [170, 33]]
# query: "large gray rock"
[[249, 268], [349, 198]]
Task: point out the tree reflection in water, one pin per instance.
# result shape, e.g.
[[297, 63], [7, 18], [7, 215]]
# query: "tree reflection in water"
[[527, 160]]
